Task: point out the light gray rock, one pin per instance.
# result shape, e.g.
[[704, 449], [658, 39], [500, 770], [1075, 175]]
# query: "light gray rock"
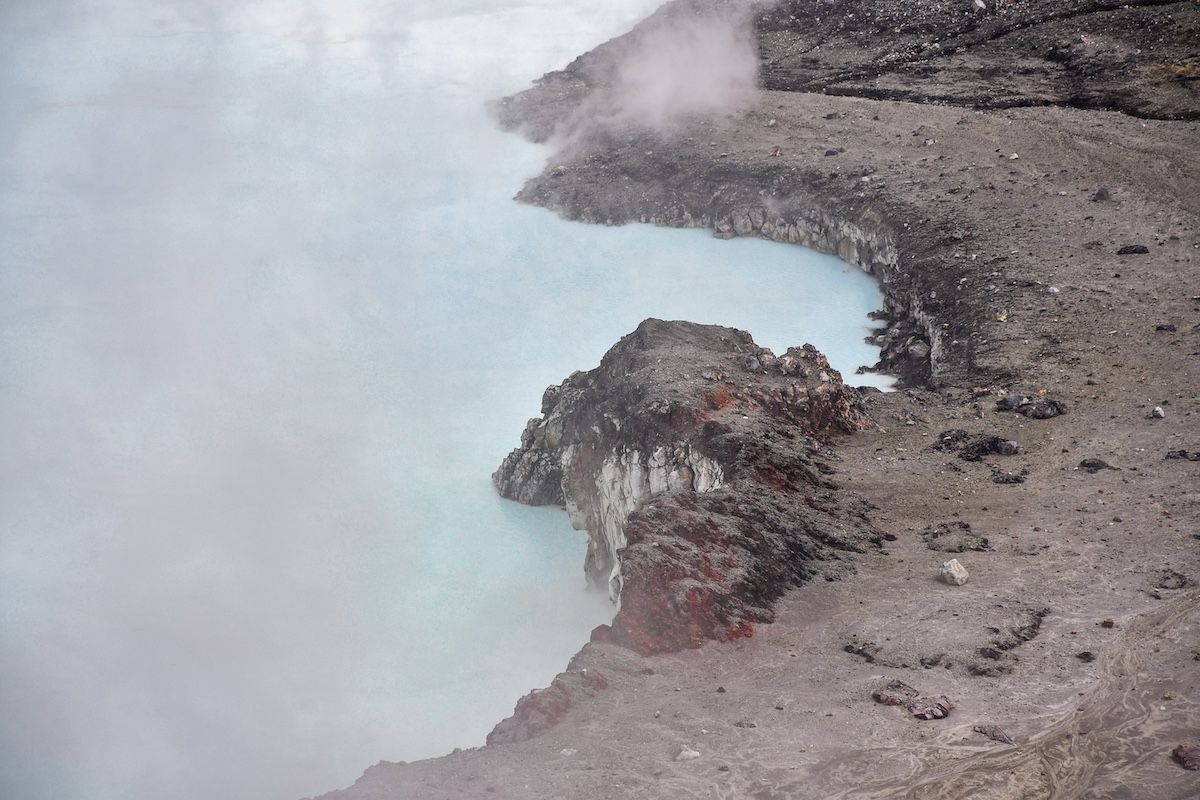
[[954, 573]]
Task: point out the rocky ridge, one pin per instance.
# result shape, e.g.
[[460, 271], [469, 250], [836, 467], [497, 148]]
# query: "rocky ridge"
[[695, 461]]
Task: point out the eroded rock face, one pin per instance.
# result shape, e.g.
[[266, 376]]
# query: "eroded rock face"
[[693, 459]]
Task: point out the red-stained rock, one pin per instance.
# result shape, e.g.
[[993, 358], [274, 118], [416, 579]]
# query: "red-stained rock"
[[1188, 755], [710, 500], [545, 708]]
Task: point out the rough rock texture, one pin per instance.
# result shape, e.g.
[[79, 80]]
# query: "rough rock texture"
[[1135, 57], [693, 458], [954, 573]]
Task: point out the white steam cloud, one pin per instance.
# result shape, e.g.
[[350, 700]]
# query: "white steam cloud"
[[688, 63]]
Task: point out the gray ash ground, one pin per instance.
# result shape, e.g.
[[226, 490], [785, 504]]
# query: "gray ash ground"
[[1034, 171]]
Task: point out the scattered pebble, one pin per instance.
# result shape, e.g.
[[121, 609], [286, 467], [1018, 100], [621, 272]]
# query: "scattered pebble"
[[687, 754]]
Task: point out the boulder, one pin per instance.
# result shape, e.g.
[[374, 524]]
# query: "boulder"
[[954, 573]]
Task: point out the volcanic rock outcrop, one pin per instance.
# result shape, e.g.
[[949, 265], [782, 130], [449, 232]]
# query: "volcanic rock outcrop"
[[694, 460]]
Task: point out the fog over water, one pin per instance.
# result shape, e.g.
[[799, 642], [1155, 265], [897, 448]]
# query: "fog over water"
[[268, 321]]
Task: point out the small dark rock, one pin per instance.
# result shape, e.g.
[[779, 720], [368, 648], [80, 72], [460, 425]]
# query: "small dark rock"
[[1094, 465], [1087, 656], [744, 725], [1183, 455], [720, 690], [951, 439], [1006, 478], [1032, 407], [1133, 250], [974, 447], [953, 537], [1188, 755], [1170, 579], [1166, 328], [866, 650], [1102, 194], [1043, 409], [929, 662]]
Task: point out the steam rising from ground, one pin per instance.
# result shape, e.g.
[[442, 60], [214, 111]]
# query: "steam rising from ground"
[[692, 62]]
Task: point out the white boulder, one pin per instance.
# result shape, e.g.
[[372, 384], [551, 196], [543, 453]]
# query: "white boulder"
[[954, 573]]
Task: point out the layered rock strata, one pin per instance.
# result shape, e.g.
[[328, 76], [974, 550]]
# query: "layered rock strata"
[[694, 460]]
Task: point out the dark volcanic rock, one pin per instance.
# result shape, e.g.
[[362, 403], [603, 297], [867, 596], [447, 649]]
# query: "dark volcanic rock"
[[1188, 755], [998, 653], [953, 537], [703, 500], [1032, 406], [975, 446]]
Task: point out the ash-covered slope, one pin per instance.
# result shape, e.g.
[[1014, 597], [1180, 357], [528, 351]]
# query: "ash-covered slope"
[[694, 460], [1139, 57]]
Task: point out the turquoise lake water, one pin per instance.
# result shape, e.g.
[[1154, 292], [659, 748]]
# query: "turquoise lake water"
[[270, 320]]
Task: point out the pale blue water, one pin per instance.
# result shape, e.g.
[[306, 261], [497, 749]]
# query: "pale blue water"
[[269, 321]]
